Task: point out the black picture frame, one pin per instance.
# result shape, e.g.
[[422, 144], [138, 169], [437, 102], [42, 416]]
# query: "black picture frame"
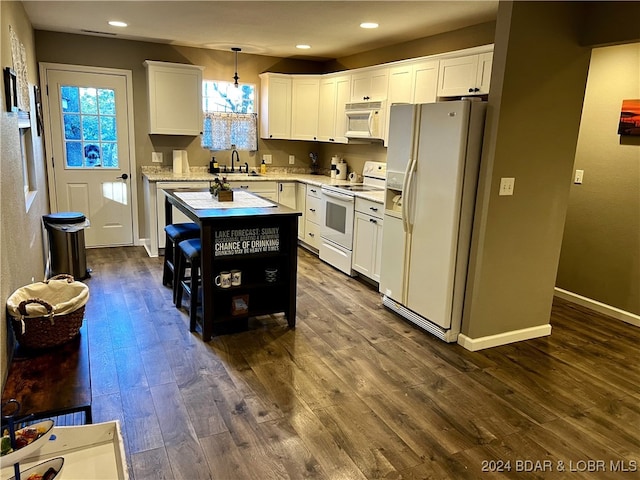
[[10, 89]]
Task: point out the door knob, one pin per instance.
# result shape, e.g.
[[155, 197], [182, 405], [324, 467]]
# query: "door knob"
[[124, 176]]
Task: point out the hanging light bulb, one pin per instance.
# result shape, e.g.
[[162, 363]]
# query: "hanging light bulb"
[[235, 76]]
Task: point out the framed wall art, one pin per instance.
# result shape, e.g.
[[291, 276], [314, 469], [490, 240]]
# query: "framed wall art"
[[10, 89], [629, 117]]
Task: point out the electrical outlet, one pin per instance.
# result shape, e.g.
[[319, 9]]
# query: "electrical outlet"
[[292, 159], [266, 158], [156, 157], [507, 185], [578, 178]]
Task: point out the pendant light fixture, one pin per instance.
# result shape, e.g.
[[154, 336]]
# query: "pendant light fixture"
[[235, 76]]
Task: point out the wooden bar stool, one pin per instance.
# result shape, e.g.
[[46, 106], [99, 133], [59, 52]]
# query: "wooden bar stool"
[[175, 233], [188, 256]]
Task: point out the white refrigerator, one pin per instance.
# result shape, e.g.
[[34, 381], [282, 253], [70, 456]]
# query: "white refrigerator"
[[433, 159]]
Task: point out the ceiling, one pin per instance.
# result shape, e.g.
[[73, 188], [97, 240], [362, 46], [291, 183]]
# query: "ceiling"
[[264, 27]]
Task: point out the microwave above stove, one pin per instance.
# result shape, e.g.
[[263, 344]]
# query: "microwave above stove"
[[365, 120]]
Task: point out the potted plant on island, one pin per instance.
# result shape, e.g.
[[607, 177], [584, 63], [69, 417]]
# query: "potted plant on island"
[[222, 190]]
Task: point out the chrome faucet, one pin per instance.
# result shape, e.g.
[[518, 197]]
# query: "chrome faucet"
[[236, 155]]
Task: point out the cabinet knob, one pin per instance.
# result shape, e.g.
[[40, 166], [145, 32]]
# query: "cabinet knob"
[[312, 209], [471, 90], [311, 235], [314, 191], [373, 220], [373, 208], [476, 89], [244, 186]]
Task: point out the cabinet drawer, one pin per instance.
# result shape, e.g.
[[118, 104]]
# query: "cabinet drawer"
[[369, 207], [313, 191], [312, 234], [313, 209], [255, 186]]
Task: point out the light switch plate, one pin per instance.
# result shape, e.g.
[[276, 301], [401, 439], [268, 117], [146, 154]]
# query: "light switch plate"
[[292, 159], [579, 176], [156, 157], [507, 185]]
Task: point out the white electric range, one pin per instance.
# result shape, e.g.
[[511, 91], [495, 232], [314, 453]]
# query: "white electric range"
[[338, 208]]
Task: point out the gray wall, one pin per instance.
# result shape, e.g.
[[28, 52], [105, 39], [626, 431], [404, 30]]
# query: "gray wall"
[[537, 85], [600, 256], [21, 242]]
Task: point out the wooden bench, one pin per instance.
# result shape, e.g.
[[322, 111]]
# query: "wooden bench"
[[52, 382]]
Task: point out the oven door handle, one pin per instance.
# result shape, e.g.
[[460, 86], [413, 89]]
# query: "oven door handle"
[[338, 196]]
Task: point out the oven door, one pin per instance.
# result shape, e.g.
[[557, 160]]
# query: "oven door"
[[337, 218]]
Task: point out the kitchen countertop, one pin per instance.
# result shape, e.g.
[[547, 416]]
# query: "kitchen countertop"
[[203, 175]]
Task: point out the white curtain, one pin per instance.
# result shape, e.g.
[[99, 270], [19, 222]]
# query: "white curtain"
[[223, 130]]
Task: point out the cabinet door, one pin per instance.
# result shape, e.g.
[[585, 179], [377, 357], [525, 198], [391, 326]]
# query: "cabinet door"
[[364, 244], [377, 252], [343, 95], [304, 108], [327, 110], [400, 84], [425, 82], [287, 194], [275, 106], [458, 76], [370, 85], [335, 93], [301, 196], [483, 77], [175, 98]]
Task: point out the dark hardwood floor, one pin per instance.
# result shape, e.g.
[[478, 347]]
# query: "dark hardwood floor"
[[353, 391]]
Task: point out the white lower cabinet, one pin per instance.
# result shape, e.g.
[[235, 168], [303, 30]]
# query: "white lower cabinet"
[[367, 239], [301, 202], [268, 190], [313, 217]]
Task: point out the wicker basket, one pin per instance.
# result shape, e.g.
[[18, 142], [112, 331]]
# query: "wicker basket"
[[48, 329]]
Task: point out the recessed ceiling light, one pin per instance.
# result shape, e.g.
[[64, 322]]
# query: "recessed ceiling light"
[[369, 25], [116, 23], [302, 46]]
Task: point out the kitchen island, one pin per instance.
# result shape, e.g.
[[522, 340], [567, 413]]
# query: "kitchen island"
[[257, 240]]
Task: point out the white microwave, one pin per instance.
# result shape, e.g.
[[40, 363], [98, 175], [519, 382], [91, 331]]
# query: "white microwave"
[[365, 120]]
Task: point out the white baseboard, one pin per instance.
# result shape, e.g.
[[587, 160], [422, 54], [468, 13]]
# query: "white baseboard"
[[599, 307], [475, 344]]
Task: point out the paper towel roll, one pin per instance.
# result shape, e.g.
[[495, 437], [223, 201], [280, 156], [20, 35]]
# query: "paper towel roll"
[[341, 173], [177, 161], [185, 162]]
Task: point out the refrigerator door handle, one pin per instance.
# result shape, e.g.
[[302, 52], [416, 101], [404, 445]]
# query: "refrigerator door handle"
[[405, 224], [408, 226]]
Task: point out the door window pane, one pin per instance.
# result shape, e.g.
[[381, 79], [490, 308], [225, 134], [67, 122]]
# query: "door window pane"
[[90, 133], [74, 154], [70, 99], [89, 127], [88, 100], [71, 126]]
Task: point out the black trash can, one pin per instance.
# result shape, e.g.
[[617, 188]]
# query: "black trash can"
[[67, 250]]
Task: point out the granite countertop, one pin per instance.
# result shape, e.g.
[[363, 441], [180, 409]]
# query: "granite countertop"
[[199, 174]]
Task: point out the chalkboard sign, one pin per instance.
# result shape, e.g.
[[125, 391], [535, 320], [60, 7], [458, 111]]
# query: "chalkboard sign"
[[246, 241]]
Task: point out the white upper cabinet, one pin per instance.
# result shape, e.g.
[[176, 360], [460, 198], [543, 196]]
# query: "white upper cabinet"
[[483, 78], [411, 82], [275, 106], [175, 98], [304, 107], [369, 85], [335, 93], [463, 76], [425, 81]]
